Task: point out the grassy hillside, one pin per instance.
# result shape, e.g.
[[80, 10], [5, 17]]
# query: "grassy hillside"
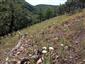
[[66, 30], [35, 29]]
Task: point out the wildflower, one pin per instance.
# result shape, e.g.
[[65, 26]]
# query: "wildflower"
[[65, 59], [9, 34], [44, 48], [66, 47], [30, 55], [7, 58], [62, 45], [51, 48], [44, 51]]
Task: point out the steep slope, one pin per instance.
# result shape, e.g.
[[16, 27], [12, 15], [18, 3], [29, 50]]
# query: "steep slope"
[[65, 33], [8, 42]]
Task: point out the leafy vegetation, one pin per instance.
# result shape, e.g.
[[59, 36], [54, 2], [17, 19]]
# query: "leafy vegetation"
[[13, 16], [17, 14]]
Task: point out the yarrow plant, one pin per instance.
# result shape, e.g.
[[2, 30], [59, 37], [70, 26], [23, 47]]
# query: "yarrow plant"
[[44, 51], [62, 45], [47, 54], [44, 48], [51, 48]]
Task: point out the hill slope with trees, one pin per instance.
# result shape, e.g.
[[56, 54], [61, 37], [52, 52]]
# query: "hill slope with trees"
[[66, 34], [14, 15], [18, 14]]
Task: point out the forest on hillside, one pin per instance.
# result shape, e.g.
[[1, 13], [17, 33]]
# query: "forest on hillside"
[[18, 14]]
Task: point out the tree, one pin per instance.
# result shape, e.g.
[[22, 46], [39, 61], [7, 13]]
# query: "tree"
[[11, 26], [40, 17], [49, 13], [60, 9], [13, 16]]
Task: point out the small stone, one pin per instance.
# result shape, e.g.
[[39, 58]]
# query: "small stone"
[[18, 62], [21, 47], [56, 38], [76, 42], [70, 57], [17, 53], [80, 62], [9, 34]]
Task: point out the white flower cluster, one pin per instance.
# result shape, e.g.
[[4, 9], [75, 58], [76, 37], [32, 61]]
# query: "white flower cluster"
[[51, 48], [44, 51], [62, 45], [7, 58]]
